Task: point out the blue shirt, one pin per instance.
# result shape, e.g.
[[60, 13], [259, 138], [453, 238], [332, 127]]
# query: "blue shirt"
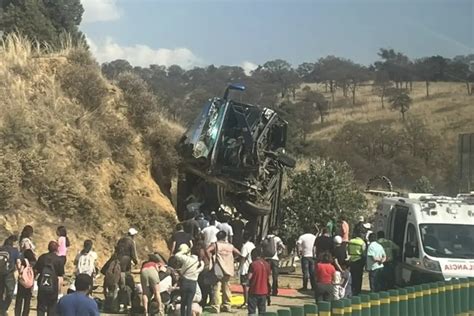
[[14, 256], [77, 304], [375, 251]]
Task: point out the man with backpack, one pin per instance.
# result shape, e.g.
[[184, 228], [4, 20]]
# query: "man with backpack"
[[127, 251], [271, 246], [50, 268], [9, 261], [112, 272]]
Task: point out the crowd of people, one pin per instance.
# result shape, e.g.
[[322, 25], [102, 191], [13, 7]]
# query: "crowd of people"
[[205, 253]]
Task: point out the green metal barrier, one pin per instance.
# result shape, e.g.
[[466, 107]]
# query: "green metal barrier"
[[310, 310], [324, 308], [270, 314], [384, 303], [284, 312], [442, 298], [456, 296], [347, 306], [434, 299], [338, 308], [394, 300], [411, 301], [426, 299], [297, 311], [356, 306], [365, 303], [449, 298], [374, 304], [464, 297], [471, 295], [403, 304], [419, 300]]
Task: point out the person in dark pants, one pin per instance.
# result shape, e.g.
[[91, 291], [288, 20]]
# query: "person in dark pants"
[[274, 260], [23, 296], [49, 264], [10, 260], [305, 245], [375, 259], [356, 250], [259, 277]]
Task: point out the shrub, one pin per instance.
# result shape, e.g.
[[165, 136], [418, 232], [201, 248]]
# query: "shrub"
[[10, 178], [92, 149]]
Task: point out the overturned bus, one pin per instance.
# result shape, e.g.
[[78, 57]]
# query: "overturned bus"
[[234, 155]]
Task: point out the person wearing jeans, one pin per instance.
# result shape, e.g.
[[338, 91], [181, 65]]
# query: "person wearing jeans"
[[7, 278], [259, 275], [375, 259], [305, 245], [274, 261], [189, 268]]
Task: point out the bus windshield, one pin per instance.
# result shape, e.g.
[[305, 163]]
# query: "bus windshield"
[[448, 240]]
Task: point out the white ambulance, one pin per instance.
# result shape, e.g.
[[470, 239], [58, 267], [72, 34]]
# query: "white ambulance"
[[435, 235]]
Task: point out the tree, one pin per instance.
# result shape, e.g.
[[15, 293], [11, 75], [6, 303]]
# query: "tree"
[[305, 71], [326, 190], [43, 20], [423, 185], [397, 65], [279, 71], [401, 101], [431, 69], [460, 71], [112, 69], [318, 101], [381, 84]]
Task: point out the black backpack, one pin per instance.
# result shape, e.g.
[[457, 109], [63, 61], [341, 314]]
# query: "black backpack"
[[48, 280], [268, 247], [4, 262]]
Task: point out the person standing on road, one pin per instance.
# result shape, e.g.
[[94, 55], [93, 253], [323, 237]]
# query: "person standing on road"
[[191, 226], [375, 259], [245, 262], [391, 252], [323, 243], [305, 244], [223, 266], [25, 239], [356, 250], [224, 226], [126, 250], [345, 230], [9, 262], [339, 253], [180, 237], [359, 228], [209, 233], [272, 245], [325, 272], [50, 268], [259, 278], [25, 287]]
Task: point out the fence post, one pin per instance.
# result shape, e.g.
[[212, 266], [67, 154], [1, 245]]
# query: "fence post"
[[426, 299], [356, 306], [394, 302], [471, 295], [456, 296], [338, 308], [347, 306], [465, 296], [403, 305], [284, 312], [384, 303], [374, 304], [419, 300], [297, 310], [310, 310], [411, 301], [365, 301], [442, 298], [449, 298], [434, 299], [324, 308]]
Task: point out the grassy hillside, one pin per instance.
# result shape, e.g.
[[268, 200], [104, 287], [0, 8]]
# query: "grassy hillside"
[[437, 120], [70, 153]]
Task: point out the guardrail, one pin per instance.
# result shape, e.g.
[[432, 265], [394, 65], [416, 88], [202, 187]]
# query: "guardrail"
[[445, 298]]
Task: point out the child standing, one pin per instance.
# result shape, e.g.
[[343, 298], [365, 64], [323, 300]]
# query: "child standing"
[[259, 278]]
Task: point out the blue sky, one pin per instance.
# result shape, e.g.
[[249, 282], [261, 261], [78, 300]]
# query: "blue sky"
[[202, 32]]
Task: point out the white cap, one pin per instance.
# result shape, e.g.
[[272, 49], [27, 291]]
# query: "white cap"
[[338, 240], [361, 218], [367, 225], [132, 231]]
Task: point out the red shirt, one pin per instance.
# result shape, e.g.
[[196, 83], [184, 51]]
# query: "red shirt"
[[260, 271], [324, 273], [150, 264]]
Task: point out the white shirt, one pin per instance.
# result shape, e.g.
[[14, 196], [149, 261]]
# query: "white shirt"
[[245, 252], [209, 233], [278, 246], [227, 229], [305, 245]]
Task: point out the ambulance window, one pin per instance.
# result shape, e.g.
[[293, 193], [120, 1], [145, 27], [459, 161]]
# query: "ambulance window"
[[412, 241]]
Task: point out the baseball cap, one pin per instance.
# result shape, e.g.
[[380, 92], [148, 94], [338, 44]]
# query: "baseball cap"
[[361, 218], [338, 239], [132, 231]]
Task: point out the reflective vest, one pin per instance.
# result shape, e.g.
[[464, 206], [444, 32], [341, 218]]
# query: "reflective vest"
[[355, 249]]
